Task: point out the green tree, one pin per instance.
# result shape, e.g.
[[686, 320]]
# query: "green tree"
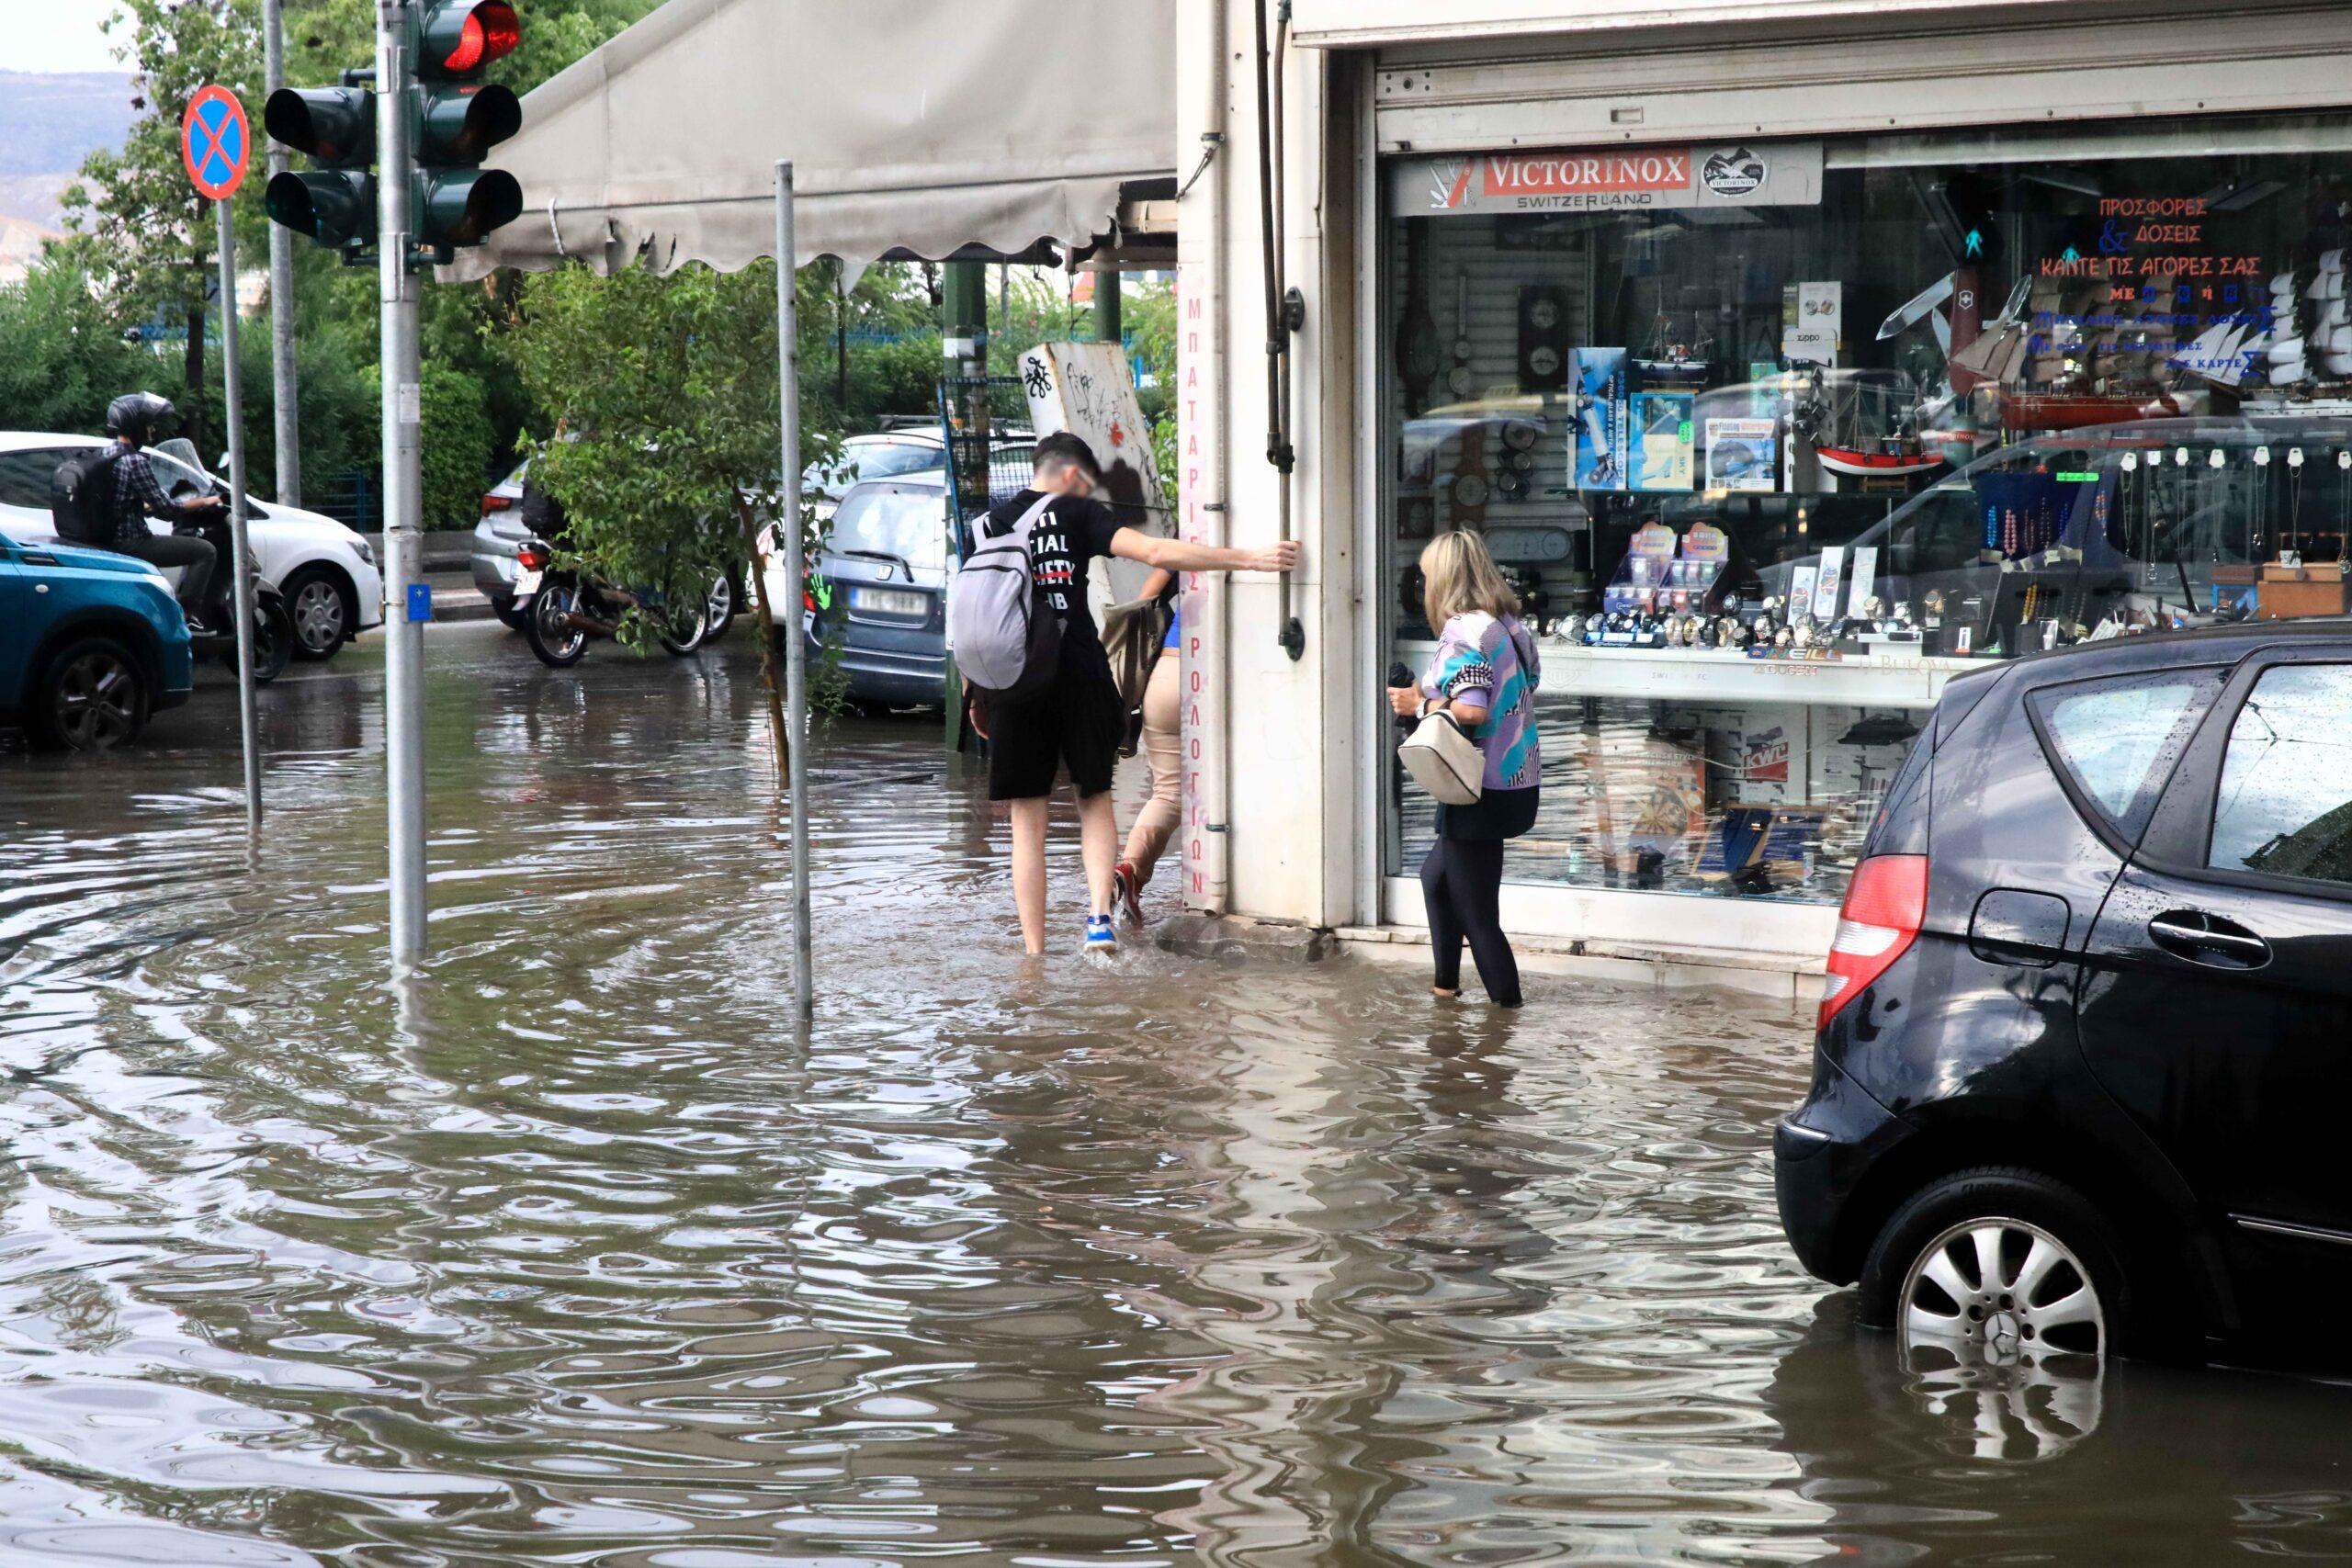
[[458, 440], [63, 357], [154, 249], [665, 393]]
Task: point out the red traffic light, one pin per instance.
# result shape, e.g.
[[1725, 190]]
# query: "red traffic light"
[[461, 45]]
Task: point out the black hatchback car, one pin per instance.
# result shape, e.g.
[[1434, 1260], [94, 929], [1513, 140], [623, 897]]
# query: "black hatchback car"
[[2085, 1047]]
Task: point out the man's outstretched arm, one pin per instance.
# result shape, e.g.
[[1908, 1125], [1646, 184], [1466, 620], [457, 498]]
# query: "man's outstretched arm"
[[1176, 555]]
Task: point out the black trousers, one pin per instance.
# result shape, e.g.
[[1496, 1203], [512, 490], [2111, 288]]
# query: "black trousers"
[[1462, 883], [178, 549]]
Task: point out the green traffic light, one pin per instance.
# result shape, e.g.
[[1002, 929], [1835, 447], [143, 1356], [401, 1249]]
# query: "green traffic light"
[[463, 207], [336, 208]]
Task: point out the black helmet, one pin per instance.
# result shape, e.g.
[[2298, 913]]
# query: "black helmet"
[[139, 417]]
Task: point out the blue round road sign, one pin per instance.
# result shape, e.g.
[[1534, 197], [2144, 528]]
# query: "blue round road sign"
[[215, 143]]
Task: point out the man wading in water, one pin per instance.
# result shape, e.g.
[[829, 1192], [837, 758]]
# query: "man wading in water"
[[1076, 721]]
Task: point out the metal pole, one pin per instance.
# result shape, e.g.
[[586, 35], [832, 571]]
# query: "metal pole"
[[285, 397], [240, 557], [403, 494], [1108, 327], [796, 643]]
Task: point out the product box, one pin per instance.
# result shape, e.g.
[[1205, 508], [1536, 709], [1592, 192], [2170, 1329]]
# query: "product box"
[[1763, 754], [1825, 587], [1734, 845], [2290, 592], [1743, 454], [1862, 581], [1598, 457], [1664, 442]]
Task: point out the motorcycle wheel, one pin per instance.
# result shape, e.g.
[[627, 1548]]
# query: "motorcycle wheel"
[[688, 630], [273, 640], [554, 638]]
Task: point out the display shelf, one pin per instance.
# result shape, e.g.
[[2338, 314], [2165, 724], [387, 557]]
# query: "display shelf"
[[1687, 674]]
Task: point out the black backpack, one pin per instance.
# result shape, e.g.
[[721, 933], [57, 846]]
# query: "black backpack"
[[80, 497]]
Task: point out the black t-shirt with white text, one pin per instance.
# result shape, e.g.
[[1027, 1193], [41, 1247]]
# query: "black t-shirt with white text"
[[1071, 533]]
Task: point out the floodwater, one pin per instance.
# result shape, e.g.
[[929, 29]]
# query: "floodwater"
[[575, 1252]]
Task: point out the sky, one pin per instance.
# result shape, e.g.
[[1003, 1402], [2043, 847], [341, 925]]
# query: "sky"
[[55, 35]]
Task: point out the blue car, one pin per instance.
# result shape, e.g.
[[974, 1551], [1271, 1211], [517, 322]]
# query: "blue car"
[[92, 644]]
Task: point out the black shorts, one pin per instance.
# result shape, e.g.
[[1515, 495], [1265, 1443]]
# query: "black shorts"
[[1078, 721]]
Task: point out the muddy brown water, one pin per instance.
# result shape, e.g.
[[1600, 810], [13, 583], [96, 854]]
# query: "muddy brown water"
[[574, 1251]]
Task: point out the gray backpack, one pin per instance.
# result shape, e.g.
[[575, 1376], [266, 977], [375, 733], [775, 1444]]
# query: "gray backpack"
[[1005, 633]]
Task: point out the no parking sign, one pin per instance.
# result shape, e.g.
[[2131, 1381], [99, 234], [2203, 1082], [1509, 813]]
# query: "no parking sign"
[[216, 143]]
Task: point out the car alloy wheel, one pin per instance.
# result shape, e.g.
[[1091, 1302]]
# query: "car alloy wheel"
[[96, 703], [720, 610], [2005, 1288], [317, 609]]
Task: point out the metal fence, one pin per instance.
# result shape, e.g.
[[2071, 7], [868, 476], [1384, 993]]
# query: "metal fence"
[[985, 420], [353, 499]]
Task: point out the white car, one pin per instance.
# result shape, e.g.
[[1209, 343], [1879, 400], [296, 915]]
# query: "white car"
[[327, 572]]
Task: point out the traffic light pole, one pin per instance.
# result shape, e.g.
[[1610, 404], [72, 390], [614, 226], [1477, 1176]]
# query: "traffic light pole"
[[795, 641], [285, 399], [403, 492]]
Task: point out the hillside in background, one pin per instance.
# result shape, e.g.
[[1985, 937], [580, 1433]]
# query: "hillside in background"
[[48, 125]]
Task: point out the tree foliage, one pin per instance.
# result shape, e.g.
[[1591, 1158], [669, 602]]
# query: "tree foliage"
[[63, 357], [664, 391], [154, 244]]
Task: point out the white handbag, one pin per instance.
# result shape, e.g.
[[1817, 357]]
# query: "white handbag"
[[1444, 762]]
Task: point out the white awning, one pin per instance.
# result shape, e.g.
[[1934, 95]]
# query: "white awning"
[[1357, 23], [923, 126]]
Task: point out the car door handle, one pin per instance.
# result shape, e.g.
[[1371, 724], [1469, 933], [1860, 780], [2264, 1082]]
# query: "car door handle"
[[2201, 938]]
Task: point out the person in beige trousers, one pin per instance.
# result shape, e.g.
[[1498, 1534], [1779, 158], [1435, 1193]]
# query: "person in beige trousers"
[[1162, 717]]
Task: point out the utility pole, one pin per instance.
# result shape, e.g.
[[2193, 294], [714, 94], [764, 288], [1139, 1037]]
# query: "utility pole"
[[404, 488], [285, 397]]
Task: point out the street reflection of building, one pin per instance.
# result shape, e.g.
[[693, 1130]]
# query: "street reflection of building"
[[1787, 372]]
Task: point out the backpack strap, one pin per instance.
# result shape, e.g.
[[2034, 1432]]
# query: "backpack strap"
[[1026, 524]]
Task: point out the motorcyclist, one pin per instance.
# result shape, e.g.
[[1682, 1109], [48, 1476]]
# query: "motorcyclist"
[[136, 421]]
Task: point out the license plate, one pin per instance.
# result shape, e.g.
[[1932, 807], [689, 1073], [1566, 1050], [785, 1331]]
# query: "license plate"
[[888, 602], [526, 582]]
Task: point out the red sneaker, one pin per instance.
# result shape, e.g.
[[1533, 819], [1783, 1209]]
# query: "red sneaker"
[[1126, 893]]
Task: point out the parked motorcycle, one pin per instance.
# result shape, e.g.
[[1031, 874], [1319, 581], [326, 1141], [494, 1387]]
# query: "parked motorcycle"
[[562, 610]]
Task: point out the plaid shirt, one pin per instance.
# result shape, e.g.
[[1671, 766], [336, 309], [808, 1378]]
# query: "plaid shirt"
[[138, 497]]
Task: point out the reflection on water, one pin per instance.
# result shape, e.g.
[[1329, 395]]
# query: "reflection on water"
[[575, 1251]]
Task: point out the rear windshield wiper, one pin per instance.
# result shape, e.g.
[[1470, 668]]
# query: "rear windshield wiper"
[[900, 561]]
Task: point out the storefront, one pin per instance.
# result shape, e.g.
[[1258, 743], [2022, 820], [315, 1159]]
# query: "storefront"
[[1791, 361]]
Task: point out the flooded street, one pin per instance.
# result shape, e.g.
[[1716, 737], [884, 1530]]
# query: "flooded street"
[[574, 1251]]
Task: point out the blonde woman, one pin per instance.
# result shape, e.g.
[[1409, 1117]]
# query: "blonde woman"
[[1485, 675]]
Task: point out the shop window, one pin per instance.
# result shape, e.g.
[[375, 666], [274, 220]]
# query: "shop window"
[[1772, 439]]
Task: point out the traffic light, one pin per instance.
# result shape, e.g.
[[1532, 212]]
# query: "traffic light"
[[335, 204], [456, 119]]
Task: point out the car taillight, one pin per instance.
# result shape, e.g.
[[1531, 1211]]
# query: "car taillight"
[[494, 503], [1885, 905], [531, 561]]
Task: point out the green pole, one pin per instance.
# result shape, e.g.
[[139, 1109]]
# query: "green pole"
[[1107, 326], [964, 338]]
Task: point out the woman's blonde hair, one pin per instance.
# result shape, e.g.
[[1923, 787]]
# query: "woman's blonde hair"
[[1458, 576]]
